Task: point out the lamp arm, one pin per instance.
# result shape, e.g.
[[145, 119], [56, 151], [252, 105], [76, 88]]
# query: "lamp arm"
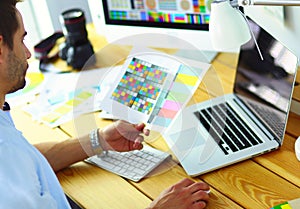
[[269, 2]]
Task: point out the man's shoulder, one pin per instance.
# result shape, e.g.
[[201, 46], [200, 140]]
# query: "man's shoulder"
[[5, 118], [8, 130]]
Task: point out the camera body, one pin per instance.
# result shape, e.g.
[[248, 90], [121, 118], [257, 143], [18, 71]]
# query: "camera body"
[[77, 49]]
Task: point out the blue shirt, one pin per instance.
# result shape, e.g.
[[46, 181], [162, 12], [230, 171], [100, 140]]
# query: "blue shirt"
[[26, 178]]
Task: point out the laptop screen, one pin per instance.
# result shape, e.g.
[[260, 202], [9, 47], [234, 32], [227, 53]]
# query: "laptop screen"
[[269, 81]]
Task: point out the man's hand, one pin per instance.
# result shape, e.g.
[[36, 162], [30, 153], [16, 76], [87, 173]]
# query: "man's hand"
[[186, 194], [123, 136]]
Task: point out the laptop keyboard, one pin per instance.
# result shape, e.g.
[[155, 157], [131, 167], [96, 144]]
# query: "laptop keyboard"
[[133, 165], [229, 131], [276, 124]]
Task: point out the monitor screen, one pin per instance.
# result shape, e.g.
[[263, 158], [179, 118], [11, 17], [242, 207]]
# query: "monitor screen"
[[180, 14], [180, 24]]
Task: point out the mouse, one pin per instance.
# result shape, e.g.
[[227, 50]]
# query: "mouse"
[[297, 148]]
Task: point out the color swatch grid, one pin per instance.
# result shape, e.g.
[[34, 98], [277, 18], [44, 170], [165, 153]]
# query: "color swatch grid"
[[140, 85], [139, 4], [167, 5], [183, 87], [199, 6], [120, 4]]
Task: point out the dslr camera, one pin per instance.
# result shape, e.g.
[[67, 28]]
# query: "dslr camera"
[[76, 49]]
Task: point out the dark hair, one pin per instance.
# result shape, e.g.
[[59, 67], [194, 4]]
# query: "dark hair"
[[8, 21]]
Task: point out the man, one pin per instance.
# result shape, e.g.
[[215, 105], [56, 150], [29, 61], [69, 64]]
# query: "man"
[[27, 173]]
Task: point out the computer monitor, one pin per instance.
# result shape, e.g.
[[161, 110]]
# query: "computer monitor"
[[187, 20]]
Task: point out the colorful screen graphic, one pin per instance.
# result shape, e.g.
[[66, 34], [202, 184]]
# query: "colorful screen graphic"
[[140, 86], [188, 14]]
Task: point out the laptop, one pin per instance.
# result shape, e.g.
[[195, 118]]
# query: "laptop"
[[246, 123]]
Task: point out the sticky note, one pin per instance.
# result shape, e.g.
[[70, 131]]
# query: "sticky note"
[[186, 79]]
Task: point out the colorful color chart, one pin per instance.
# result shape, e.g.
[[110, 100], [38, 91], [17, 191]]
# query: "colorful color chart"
[[183, 87], [140, 85], [152, 88]]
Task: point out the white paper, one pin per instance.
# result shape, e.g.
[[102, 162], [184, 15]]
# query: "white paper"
[[182, 75]]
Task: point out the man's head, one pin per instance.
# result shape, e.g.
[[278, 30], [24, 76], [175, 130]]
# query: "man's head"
[[13, 52], [8, 21]]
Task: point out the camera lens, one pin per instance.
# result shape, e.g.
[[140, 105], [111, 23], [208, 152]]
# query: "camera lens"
[[77, 49], [69, 15], [73, 24]]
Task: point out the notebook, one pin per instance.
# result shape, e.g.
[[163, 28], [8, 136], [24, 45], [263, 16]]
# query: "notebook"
[[249, 122]]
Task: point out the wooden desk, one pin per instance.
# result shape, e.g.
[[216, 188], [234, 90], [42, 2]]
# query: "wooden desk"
[[260, 182]]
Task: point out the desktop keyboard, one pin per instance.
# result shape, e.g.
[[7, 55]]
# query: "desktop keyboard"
[[133, 165]]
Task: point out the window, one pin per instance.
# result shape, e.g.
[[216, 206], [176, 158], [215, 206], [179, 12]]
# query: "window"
[[36, 20]]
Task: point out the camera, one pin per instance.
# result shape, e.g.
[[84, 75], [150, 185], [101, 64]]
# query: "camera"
[[76, 49]]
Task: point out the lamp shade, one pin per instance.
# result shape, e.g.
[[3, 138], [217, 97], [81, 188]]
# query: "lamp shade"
[[227, 27]]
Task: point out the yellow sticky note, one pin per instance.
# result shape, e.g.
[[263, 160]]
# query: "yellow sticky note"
[[186, 79]]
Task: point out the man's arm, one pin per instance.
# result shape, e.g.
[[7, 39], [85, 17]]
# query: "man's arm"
[[63, 154], [120, 136]]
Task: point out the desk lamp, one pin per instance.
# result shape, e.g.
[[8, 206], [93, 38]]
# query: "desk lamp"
[[229, 27]]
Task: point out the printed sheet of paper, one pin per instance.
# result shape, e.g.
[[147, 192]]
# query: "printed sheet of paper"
[[152, 87], [139, 86], [177, 96]]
